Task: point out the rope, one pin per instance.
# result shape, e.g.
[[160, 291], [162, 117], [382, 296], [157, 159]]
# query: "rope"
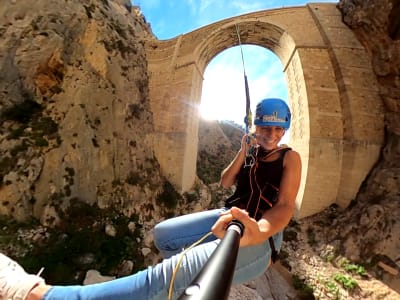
[[171, 284], [248, 117], [250, 159]]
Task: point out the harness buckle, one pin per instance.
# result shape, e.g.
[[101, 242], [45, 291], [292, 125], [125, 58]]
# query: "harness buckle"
[[250, 158]]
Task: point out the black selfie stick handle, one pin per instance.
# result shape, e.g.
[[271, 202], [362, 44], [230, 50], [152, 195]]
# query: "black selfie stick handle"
[[215, 278]]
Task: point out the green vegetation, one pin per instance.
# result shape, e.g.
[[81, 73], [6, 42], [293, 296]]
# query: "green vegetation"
[[191, 197], [7, 163], [333, 285], [31, 129], [134, 178], [136, 110], [79, 243], [347, 282], [306, 291], [115, 183], [209, 167], [194, 195], [16, 133], [352, 268], [44, 126], [169, 197], [332, 289], [23, 112], [311, 236], [69, 179], [19, 148]]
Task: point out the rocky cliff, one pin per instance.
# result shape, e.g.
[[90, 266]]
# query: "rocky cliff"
[[371, 226], [367, 232], [74, 108], [75, 137]]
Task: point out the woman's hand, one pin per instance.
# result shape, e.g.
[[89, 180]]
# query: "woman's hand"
[[248, 140], [252, 234]]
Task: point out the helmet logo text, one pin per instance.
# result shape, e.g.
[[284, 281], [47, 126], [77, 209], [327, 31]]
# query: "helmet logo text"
[[272, 118]]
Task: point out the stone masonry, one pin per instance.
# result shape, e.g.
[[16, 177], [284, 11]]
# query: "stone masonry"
[[338, 117]]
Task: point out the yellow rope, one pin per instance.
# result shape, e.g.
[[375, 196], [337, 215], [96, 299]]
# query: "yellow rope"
[[171, 284]]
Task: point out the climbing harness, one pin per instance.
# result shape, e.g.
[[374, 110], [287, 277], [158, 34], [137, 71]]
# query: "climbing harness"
[[257, 195]]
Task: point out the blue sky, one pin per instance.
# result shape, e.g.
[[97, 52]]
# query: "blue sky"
[[223, 94]]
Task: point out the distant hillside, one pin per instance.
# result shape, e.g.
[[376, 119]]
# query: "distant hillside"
[[218, 143]]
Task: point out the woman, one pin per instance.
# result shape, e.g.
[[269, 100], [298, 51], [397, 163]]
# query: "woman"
[[267, 177]]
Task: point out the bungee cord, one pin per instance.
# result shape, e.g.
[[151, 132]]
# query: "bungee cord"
[[178, 265], [248, 117], [250, 158]]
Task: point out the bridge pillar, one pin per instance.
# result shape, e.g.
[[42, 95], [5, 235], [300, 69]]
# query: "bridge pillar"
[[175, 92]]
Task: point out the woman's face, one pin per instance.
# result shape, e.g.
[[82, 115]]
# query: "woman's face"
[[269, 137]]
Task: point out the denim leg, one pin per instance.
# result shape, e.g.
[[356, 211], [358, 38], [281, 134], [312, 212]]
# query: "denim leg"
[[175, 234], [125, 288], [190, 266], [149, 284], [153, 282], [253, 261]]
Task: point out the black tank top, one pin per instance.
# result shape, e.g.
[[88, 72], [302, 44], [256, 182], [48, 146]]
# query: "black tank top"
[[261, 181]]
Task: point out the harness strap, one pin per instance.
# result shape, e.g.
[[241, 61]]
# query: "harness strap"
[[274, 253], [256, 196]]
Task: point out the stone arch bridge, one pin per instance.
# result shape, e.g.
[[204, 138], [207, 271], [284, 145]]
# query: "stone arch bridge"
[[338, 120]]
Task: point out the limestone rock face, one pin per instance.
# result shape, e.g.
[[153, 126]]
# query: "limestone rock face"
[[376, 24], [374, 219], [93, 276], [75, 117]]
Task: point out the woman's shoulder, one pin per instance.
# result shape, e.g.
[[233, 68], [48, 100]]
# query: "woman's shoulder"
[[287, 148], [291, 156]]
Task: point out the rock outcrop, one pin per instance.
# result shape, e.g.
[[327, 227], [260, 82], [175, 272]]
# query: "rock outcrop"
[[75, 116], [371, 226]]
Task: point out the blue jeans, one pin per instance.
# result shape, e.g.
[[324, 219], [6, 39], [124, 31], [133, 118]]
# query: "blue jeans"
[[171, 236]]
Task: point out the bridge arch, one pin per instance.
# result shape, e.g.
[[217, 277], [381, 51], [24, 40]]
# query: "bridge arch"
[[337, 112]]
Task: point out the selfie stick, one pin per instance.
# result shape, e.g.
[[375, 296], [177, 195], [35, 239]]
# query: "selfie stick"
[[215, 278]]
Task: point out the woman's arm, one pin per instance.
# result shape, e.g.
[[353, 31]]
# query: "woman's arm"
[[277, 218], [228, 175]]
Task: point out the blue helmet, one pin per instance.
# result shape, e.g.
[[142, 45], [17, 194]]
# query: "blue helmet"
[[272, 112]]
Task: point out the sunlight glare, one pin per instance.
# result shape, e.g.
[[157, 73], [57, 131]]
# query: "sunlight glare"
[[223, 94]]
